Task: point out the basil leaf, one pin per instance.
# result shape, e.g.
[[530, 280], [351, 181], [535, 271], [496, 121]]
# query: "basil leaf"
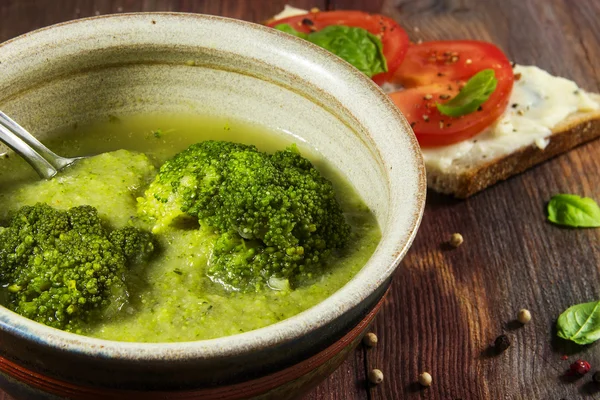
[[580, 323], [287, 28], [356, 45], [572, 210], [476, 91]]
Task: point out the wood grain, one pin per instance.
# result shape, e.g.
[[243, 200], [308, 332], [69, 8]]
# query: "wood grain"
[[447, 306]]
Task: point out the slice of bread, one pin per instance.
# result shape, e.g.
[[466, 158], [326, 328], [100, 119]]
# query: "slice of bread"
[[469, 175], [474, 171]]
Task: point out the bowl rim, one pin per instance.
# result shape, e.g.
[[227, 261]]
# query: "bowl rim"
[[356, 290]]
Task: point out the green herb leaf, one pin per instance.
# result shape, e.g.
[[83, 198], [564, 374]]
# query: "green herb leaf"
[[477, 90], [572, 210], [580, 323], [287, 28], [357, 46]]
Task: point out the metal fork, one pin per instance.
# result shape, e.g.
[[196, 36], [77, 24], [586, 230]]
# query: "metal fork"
[[45, 162]]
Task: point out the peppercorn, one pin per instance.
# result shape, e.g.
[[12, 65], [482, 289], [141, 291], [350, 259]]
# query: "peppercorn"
[[375, 376], [524, 316], [501, 343], [580, 367], [596, 377], [456, 240], [425, 379], [370, 340]]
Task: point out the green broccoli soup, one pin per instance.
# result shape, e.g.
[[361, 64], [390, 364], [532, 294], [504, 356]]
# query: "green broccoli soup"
[[180, 228]]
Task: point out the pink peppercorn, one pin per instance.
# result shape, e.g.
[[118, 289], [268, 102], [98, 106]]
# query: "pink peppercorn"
[[580, 367]]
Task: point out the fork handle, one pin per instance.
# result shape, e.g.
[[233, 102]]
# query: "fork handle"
[[53, 159], [39, 163]]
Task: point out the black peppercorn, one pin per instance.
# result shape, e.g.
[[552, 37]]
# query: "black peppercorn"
[[596, 377], [308, 22], [501, 343]]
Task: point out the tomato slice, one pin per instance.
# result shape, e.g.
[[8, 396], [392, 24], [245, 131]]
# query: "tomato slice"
[[434, 72], [393, 38]]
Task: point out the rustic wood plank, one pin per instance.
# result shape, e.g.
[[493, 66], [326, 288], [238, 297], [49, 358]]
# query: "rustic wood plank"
[[20, 16], [348, 382]]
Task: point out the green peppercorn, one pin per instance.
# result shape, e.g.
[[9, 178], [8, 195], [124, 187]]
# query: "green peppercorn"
[[456, 240], [524, 316], [375, 376], [425, 379], [370, 340]]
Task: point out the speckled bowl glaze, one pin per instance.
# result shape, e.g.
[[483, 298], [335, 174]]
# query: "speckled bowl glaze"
[[142, 63]]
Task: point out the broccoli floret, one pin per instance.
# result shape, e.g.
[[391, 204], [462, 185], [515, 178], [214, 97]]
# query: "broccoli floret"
[[60, 267], [274, 214], [135, 244]]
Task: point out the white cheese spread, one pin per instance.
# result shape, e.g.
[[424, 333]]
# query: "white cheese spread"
[[538, 102], [289, 11]]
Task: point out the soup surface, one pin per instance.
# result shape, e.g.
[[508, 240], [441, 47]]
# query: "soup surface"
[[171, 298]]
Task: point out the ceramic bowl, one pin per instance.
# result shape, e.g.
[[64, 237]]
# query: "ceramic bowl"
[[84, 70]]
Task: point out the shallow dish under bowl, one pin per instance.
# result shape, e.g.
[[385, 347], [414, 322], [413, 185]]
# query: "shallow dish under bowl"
[[85, 70]]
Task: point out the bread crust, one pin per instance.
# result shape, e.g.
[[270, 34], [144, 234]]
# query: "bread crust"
[[574, 131]]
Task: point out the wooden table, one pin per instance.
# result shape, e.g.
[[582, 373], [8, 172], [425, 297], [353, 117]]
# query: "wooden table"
[[447, 306]]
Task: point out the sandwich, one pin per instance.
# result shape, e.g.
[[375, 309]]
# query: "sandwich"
[[479, 118]]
